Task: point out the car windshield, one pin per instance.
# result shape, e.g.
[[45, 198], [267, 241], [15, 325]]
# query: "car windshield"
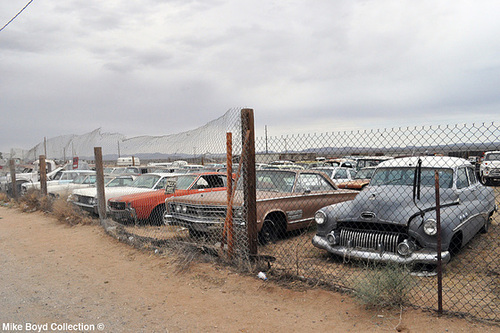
[[183, 182], [145, 181], [85, 179], [405, 176], [79, 179], [273, 180], [364, 174], [492, 157], [118, 181]]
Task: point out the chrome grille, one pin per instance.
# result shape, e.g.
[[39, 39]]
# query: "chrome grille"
[[370, 240], [117, 205], [199, 211]]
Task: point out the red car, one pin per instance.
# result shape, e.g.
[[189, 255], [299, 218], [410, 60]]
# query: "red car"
[[149, 207]]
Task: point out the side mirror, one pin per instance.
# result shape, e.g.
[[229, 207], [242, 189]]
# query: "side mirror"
[[170, 186]]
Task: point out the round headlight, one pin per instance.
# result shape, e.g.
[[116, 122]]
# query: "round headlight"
[[430, 227], [320, 217], [184, 209], [177, 208]]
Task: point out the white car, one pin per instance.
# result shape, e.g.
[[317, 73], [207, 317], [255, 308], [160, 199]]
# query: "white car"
[[63, 189], [63, 177], [338, 174], [86, 198], [489, 170]]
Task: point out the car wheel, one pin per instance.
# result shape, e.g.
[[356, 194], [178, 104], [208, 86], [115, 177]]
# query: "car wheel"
[[156, 216], [485, 180], [268, 233], [455, 244]]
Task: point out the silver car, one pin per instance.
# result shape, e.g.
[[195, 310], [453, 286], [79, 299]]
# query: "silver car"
[[394, 218]]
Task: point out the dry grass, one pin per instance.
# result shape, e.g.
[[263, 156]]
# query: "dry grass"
[[65, 212], [60, 208]]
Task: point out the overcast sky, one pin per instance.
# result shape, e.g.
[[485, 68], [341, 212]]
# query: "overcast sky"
[[157, 67]]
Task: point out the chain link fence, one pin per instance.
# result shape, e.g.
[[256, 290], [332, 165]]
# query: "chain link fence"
[[383, 244], [396, 216]]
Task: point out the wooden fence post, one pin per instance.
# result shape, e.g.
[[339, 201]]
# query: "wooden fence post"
[[43, 174], [248, 172], [101, 197], [13, 178]]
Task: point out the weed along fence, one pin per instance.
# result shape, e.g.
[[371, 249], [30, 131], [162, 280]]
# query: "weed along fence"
[[397, 217]]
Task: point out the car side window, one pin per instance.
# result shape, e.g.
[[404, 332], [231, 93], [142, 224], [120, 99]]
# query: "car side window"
[[472, 175], [462, 180], [312, 182], [201, 183], [161, 184], [340, 174]]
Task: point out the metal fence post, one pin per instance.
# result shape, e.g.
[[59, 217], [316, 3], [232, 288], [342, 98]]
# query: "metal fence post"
[[439, 259], [101, 198], [249, 188]]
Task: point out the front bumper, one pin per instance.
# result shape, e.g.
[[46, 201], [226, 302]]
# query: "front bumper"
[[124, 215], [417, 257], [86, 207]]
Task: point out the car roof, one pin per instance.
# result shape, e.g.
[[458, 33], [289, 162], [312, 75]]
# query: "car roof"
[[427, 162]]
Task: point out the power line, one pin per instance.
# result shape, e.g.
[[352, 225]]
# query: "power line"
[[12, 19]]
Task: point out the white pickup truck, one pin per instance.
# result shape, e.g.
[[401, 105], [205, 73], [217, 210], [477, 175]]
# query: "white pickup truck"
[[27, 174], [489, 170]]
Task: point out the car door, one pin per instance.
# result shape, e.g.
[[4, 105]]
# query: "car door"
[[470, 217]]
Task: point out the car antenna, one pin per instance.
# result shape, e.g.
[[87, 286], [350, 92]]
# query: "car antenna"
[[417, 182]]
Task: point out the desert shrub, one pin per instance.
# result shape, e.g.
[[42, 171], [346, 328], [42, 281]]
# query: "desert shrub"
[[65, 212], [4, 198], [33, 201], [384, 286]]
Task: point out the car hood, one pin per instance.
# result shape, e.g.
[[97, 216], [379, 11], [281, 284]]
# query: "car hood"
[[111, 192], [148, 195], [392, 204]]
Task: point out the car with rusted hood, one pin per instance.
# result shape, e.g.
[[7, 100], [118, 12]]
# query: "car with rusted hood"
[[361, 179], [150, 206], [286, 201], [395, 218]]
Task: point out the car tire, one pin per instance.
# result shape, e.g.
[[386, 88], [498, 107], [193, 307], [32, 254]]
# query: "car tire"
[[269, 232], [455, 244], [156, 216]]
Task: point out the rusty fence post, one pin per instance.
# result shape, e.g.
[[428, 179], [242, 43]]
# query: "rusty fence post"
[[228, 226], [12, 166], [43, 174], [249, 187], [439, 259], [101, 197]]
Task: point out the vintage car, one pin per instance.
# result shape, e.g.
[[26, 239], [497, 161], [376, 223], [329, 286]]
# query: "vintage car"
[[286, 200], [395, 220], [61, 178], [489, 169], [86, 198], [337, 174], [370, 161], [64, 189], [360, 180], [150, 206]]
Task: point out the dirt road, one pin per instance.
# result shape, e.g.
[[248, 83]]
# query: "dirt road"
[[64, 278]]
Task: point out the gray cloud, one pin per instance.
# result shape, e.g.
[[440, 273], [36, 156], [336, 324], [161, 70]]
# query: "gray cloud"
[[162, 67]]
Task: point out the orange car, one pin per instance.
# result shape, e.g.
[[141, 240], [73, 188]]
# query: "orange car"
[[361, 179], [150, 206]]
